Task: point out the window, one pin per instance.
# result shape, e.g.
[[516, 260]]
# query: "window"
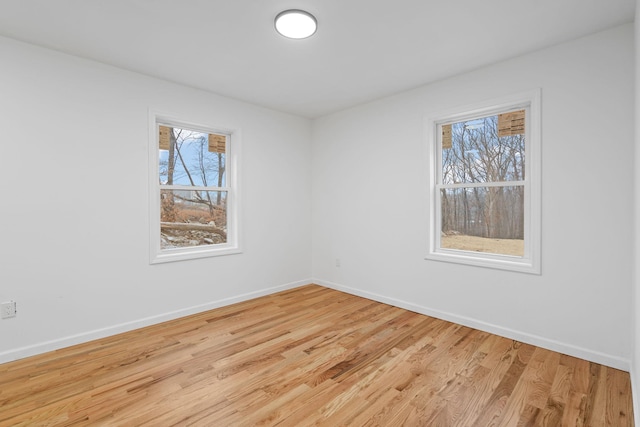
[[193, 191], [485, 185]]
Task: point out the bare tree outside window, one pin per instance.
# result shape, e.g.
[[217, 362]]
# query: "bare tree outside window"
[[193, 193], [482, 184]]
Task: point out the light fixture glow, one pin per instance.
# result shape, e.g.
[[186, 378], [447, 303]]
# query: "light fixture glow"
[[296, 24]]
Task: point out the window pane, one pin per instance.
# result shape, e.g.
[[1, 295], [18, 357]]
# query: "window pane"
[[488, 149], [191, 158], [193, 218], [483, 219]]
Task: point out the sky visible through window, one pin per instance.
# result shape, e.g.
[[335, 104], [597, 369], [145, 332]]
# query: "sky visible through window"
[[194, 162]]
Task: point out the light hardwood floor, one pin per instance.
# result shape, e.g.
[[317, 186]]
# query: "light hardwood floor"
[[311, 356]]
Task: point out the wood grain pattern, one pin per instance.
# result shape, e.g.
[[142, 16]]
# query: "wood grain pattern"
[[311, 356]]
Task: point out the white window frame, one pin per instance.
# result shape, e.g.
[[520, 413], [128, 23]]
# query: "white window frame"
[[232, 162], [530, 262]]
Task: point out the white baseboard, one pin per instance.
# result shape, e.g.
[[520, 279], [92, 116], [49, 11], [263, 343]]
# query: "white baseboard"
[[635, 394], [568, 349], [43, 347]]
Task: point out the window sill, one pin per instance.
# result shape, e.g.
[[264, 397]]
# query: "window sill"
[[500, 262], [183, 254]]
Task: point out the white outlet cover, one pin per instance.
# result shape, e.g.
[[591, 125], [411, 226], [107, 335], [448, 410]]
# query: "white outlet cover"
[[8, 309]]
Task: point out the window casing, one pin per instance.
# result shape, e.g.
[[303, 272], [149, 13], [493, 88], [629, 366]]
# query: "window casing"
[[484, 184], [193, 190]]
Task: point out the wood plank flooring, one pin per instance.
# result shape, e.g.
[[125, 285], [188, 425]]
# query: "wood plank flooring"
[[311, 356]]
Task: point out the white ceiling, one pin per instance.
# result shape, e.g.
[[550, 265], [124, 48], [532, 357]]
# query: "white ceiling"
[[363, 49]]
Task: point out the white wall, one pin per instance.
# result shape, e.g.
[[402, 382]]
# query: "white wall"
[[74, 202], [635, 367], [370, 202]]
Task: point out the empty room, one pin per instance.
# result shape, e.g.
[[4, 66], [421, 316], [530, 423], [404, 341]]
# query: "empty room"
[[364, 213]]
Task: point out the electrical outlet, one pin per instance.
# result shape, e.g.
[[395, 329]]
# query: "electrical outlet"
[[337, 262], [8, 309]]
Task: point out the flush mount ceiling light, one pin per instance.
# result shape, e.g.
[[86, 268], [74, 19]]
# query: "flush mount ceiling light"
[[296, 24]]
